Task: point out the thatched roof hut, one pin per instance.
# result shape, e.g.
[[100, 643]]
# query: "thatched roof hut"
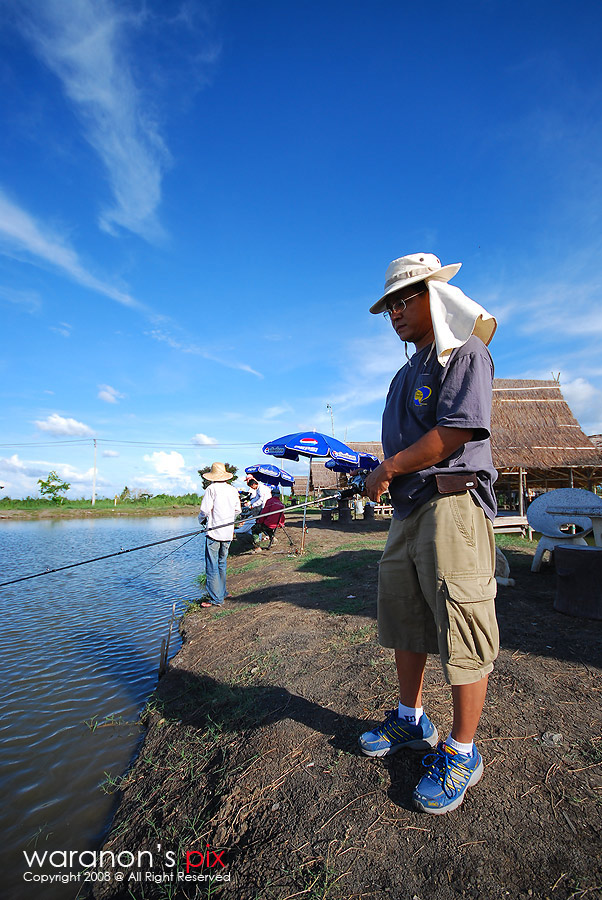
[[534, 430], [300, 486]]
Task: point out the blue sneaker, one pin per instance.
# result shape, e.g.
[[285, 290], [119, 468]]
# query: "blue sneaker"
[[449, 776], [396, 733]]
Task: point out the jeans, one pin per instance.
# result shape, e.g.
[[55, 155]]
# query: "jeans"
[[216, 557]]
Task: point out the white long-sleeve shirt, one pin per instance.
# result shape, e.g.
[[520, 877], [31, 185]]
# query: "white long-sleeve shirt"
[[220, 506], [260, 496]]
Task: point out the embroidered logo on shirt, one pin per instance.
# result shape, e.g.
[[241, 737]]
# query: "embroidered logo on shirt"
[[421, 395]]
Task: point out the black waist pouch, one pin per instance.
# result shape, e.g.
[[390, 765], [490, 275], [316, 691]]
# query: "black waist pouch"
[[456, 484]]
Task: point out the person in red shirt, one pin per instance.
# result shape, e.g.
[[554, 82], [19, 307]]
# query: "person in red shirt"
[[268, 524]]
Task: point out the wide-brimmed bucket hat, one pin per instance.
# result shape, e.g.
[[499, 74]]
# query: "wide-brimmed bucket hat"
[[218, 472], [411, 269]]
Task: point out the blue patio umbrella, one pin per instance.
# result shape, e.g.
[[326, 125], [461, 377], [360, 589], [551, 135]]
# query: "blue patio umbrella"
[[311, 444], [271, 475], [368, 461]]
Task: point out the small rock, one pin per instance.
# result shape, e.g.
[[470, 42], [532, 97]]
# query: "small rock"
[[551, 739], [275, 807]]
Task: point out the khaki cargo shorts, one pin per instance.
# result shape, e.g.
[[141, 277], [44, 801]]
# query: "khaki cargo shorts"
[[436, 586]]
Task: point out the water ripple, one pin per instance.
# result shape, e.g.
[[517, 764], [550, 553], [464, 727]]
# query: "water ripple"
[[81, 649]]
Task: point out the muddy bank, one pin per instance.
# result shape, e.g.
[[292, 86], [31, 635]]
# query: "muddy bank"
[[252, 746]]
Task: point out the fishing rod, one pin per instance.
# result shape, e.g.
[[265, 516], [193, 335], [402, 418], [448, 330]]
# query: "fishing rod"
[[178, 537]]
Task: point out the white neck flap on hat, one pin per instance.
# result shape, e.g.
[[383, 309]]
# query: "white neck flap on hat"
[[455, 317]]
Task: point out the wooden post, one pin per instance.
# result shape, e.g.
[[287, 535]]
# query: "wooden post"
[[521, 502]]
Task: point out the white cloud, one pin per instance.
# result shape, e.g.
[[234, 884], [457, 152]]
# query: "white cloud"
[[175, 344], [203, 439], [171, 474], [21, 236], [56, 424], [171, 464], [109, 394], [27, 300], [275, 412], [366, 379], [20, 477], [110, 454], [163, 484], [84, 43], [582, 397], [63, 328]]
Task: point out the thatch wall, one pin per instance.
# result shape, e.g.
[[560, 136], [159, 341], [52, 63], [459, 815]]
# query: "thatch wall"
[[300, 485], [322, 478], [374, 447]]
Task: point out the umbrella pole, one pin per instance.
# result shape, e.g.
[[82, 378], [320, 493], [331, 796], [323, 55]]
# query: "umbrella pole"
[[305, 509]]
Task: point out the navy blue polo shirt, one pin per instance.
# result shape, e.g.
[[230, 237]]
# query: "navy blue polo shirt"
[[424, 394]]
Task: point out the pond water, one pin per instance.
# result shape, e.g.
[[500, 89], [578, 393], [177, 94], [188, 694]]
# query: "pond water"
[[80, 656]]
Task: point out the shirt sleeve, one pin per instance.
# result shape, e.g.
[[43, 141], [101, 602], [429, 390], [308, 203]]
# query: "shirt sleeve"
[[207, 502], [465, 394]]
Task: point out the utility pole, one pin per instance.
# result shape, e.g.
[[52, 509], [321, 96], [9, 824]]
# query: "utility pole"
[[328, 406], [94, 481]]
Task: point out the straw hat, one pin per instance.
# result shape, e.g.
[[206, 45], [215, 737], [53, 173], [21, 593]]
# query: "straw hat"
[[218, 473], [411, 269]]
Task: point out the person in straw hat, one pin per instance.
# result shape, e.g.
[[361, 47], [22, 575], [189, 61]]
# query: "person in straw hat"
[[436, 585], [219, 508]]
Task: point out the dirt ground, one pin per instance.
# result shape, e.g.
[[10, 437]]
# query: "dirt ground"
[[252, 745]]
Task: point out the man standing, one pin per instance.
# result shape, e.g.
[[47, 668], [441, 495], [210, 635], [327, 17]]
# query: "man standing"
[[219, 508], [436, 584]]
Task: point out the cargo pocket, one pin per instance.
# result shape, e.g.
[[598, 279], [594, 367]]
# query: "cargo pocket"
[[473, 636], [462, 510]]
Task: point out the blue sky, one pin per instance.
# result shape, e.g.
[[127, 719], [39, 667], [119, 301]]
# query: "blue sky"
[[198, 202]]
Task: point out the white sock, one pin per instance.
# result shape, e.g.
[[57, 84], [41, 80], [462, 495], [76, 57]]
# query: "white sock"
[[466, 749], [410, 714]]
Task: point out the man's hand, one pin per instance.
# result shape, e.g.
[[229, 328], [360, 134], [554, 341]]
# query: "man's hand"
[[377, 482]]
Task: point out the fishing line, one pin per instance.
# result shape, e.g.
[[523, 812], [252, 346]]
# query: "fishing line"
[[167, 555], [178, 537]]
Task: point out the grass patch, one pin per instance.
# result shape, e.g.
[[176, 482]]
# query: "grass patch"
[[248, 567], [345, 606], [515, 542], [342, 563], [592, 751], [257, 667], [362, 635], [230, 610]]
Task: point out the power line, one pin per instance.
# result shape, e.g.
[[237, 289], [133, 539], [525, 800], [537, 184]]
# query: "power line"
[[118, 441], [48, 443]]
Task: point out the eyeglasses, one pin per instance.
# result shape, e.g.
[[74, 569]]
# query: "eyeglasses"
[[400, 305]]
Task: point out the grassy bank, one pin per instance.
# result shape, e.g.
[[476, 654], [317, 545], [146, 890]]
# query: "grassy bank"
[[163, 504]]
